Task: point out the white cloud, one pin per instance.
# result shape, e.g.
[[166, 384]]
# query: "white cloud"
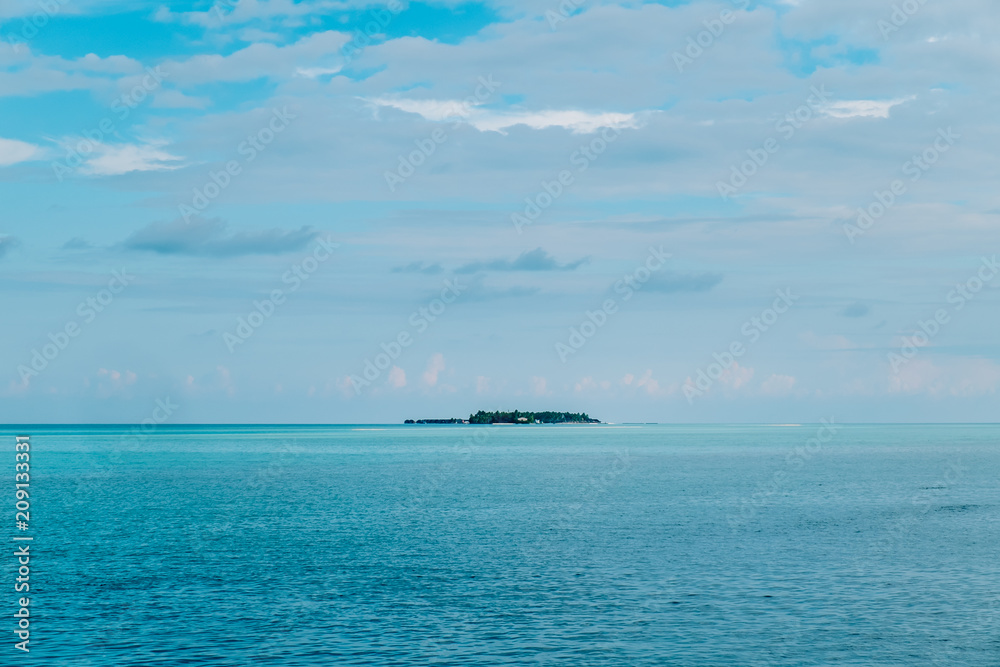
[[232, 13], [736, 376], [490, 120], [13, 151], [434, 367], [954, 377], [397, 377], [315, 72], [539, 386], [648, 383], [174, 99], [114, 160], [863, 108]]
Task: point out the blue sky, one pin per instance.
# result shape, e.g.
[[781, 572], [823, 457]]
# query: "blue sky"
[[498, 205]]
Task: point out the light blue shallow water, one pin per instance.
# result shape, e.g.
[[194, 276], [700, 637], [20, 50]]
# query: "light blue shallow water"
[[551, 545]]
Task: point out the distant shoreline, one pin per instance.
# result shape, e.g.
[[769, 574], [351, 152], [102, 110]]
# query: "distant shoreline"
[[513, 418]]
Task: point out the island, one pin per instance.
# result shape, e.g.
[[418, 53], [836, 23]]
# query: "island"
[[515, 417], [436, 421]]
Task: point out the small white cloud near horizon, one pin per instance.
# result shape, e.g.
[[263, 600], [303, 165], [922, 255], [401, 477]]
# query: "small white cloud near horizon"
[[648, 383], [962, 376], [397, 378], [434, 367], [539, 386]]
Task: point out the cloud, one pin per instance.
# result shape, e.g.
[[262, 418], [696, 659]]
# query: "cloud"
[[397, 377], [856, 309], [434, 366], [7, 243], [491, 120], [532, 260], [482, 384], [419, 267], [210, 237], [13, 151], [217, 383], [671, 281], [951, 377], [315, 72], [307, 57], [863, 108], [115, 160], [111, 382], [233, 13], [648, 383], [174, 99], [734, 377], [539, 386]]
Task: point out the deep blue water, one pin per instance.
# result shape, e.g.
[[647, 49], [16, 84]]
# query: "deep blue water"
[[527, 545]]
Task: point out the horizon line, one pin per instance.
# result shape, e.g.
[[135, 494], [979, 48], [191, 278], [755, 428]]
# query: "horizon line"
[[629, 423]]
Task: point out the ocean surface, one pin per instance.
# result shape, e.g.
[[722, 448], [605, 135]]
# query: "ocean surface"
[[514, 545]]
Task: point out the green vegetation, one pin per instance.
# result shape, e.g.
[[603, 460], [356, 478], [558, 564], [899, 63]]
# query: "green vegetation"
[[517, 417]]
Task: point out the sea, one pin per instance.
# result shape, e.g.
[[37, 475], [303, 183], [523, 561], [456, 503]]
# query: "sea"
[[606, 544]]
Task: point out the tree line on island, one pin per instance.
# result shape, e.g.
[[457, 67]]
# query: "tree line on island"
[[515, 417]]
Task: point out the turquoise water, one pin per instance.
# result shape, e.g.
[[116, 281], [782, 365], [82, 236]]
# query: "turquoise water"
[[537, 545]]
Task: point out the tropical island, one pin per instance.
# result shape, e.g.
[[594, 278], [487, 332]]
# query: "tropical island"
[[515, 417]]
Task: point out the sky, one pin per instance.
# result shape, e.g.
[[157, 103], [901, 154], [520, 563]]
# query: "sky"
[[269, 211]]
